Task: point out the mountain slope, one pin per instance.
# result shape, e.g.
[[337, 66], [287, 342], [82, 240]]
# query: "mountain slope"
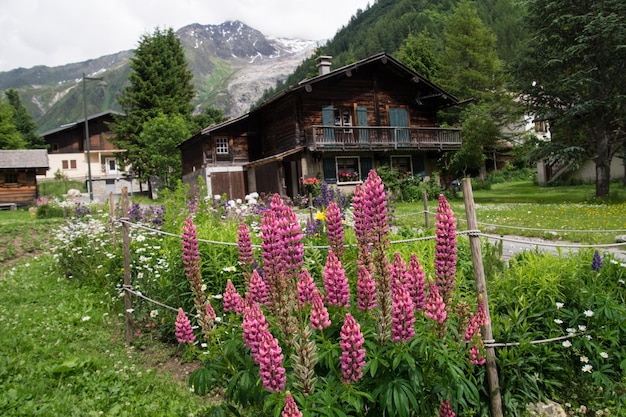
[[232, 65]]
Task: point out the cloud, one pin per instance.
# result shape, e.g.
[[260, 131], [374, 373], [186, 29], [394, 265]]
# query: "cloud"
[[44, 32]]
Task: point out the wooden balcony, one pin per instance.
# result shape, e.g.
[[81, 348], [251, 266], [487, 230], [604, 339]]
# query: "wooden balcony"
[[338, 138]]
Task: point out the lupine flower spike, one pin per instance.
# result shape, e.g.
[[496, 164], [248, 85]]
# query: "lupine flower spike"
[[191, 263], [258, 291], [352, 353], [270, 359], [319, 313], [253, 329], [232, 299], [291, 409], [435, 307], [445, 409], [306, 286], [184, 333], [596, 263], [403, 313], [416, 283], [335, 282], [445, 250], [335, 229], [366, 290]]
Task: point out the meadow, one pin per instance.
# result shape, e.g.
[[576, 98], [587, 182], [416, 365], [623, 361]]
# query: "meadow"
[[63, 312]]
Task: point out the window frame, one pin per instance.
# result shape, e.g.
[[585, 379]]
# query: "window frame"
[[221, 146], [11, 175], [409, 157], [343, 169]]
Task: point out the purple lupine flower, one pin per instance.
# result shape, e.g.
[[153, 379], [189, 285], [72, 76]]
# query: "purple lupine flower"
[[445, 250], [596, 263], [232, 299], [403, 316], [253, 327], [258, 291], [291, 409], [416, 283], [435, 307], [191, 254], [244, 244], [366, 290], [352, 357], [335, 229], [319, 313], [335, 282], [306, 287], [184, 333], [193, 205], [445, 409], [270, 359]]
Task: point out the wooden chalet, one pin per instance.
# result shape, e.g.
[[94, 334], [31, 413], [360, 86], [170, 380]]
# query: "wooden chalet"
[[335, 126], [67, 149], [18, 175]]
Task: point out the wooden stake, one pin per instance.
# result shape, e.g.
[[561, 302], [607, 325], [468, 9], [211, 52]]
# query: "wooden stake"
[[481, 289], [128, 304], [425, 198], [112, 219]]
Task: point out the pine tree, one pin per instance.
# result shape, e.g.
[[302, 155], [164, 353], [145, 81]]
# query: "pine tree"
[[160, 84], [418, 53], [24, 122]]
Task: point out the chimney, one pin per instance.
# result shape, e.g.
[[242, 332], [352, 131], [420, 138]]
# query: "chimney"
[[323, 64]]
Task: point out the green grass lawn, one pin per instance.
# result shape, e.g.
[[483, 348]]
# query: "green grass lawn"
[[62, 353]]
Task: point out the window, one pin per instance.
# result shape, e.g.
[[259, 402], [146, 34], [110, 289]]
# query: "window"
[[10, 178], [348, 169], [402, 164], [55, 147], [71, 164], [343, 117], [221, 146]]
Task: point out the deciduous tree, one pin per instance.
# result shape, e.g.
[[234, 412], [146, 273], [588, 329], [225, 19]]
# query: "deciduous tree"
[[572, 70], [10, 137], [23, 121]]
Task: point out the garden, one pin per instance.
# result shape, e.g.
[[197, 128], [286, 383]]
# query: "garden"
[[350, 307]]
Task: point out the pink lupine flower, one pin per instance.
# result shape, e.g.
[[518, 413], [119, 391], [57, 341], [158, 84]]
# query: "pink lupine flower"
[[253, 328], [435, 307], [476, 354], [366, 290], [306, 286], [270, 359], [191, 255], [416, 283], [352, 353], [209, 312], [319, 313], [335, 282], [476, 320], [258, 291], [398, 273], [445, 409], [291, 409], [244, 244], [184, 333], [403, 316], [445, 250], [335, 229], [232, 299]]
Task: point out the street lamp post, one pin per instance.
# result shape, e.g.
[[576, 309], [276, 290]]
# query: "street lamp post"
[[87, 138]]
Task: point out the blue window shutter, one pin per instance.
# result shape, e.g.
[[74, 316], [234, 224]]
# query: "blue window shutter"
[[330, 170], [328, 119], [366, 166], [400, 118], [361, 120]]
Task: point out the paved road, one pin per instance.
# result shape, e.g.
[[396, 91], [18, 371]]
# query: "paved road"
[[515, 244]]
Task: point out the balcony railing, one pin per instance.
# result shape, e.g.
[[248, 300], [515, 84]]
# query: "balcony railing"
[[377, 137]]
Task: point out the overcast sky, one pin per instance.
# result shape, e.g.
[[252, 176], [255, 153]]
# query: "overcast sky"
[[57, 32]]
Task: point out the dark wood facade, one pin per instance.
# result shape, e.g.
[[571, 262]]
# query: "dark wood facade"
[[18, 175], [336, 126]]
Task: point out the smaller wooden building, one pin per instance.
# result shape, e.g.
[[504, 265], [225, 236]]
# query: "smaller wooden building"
[[18, 174]]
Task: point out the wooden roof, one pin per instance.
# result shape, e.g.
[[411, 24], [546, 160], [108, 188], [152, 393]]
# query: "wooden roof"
[[24, 158]]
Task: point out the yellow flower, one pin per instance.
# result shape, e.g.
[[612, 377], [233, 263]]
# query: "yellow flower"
[[320, 215]]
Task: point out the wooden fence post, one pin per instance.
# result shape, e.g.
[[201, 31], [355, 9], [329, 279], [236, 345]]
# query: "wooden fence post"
[[128, 305], [425, 198], [481, 289]]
